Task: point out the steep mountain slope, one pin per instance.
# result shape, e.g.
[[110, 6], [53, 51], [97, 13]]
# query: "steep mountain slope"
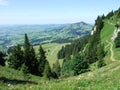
[[108, 34]]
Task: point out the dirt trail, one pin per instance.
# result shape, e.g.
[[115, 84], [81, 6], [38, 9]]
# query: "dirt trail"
[[107, 44], [112, 53]]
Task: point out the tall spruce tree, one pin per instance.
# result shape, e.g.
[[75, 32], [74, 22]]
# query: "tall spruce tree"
[[16, 58], [27, 54], [101, 55], [2, 60], [41, 61], [29, 57], [33, 68], [26, 49]]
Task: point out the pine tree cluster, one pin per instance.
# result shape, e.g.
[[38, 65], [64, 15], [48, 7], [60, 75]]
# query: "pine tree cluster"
[[73, 48], [26, 60]]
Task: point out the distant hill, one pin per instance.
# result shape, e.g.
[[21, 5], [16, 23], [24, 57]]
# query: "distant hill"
[[11, 35], [71, 32]]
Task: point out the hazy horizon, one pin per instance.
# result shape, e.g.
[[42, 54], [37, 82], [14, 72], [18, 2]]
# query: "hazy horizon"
[[53, 12], [20, 24]]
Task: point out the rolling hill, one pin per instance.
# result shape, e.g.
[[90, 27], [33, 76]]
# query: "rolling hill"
[[13, 34]]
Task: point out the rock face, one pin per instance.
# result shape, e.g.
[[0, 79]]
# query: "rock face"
[[115, 33], [92, 32]]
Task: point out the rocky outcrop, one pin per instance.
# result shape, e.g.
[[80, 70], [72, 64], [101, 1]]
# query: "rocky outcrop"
[[94, 30], [115, 33]]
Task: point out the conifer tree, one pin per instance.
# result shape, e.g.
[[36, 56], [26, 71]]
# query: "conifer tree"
[[90, 52], [27, 53], [101, 55], [2, 60], [26, 50], [103, 16], [81, 65], [118, 14], [41, 61], [110, 14], [16, 58], [33, 68], [30, 57]]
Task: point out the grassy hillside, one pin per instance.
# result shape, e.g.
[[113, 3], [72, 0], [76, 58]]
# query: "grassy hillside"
[[51, 51], [106, 78]]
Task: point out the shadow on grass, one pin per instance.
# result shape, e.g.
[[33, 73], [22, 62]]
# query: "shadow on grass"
[[15, 81]]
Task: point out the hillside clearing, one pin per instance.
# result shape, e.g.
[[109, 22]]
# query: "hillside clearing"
[[51, 51]]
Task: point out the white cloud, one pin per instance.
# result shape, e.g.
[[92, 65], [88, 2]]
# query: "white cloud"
[[4, 2]]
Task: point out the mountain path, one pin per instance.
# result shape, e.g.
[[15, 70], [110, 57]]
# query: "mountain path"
[[112, 53], [107, 44]]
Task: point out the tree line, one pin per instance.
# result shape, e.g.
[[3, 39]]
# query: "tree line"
[[73, 48]]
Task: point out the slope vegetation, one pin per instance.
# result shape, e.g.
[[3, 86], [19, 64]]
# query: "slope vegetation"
[[106, 78]]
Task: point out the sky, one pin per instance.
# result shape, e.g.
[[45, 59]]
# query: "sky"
[[54, 11]]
